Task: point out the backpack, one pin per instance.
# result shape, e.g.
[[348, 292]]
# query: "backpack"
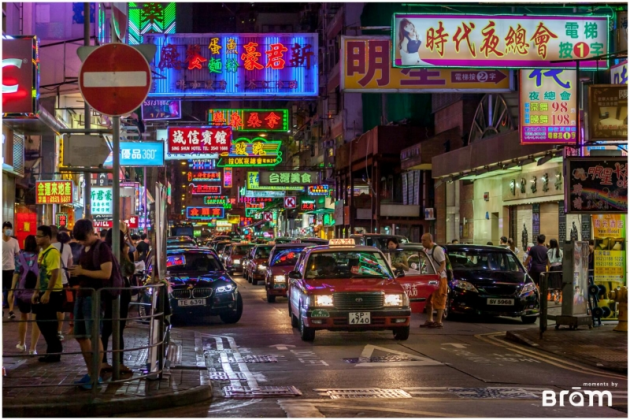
[[28, 279], [448, 266], [115, 279]]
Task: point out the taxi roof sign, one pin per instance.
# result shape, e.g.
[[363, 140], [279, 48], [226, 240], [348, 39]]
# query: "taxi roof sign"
[[342, 242]]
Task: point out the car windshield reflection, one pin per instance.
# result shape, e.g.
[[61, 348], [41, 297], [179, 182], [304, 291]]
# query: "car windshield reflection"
[[347, 265]]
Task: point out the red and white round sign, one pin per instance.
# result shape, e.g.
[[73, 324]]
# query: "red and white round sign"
[[115, 79], [289, 202]]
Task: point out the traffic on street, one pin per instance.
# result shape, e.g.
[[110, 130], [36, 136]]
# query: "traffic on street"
[[315, 210]]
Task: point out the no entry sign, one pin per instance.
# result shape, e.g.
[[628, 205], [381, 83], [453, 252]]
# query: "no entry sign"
[[115, 79]]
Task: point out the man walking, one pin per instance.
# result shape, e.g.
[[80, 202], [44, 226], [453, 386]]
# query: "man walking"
[[504, 242], [47, 298], [92, 271], [538, 258], [438, 298]]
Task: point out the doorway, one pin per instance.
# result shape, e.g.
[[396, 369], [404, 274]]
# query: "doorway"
[[494, 228]]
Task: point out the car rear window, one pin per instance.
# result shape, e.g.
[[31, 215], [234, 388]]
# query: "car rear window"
[[286, 256]]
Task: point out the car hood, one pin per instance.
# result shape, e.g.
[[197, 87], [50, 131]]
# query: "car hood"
[[196, 279], [353, 285], [483, 277]]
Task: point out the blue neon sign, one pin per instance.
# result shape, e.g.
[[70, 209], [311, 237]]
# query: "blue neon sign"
[[234, 65], [139, 153]]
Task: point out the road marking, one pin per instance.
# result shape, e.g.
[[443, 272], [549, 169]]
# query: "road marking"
[[282, 346], [366, 354], [491, 338], [308, 357], [295, 409], [299, 409], [235, 406], [456, 345]]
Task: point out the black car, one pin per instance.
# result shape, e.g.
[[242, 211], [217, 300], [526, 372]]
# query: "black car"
[[200, 285], [490, 280]]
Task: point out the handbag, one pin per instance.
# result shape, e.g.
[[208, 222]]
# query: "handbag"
[[68, 299]]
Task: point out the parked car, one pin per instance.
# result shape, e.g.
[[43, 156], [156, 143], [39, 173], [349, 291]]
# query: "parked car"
[[281, 261], [378, 240], [200, 285], [220, 246], [346, 287], [491, 281], [256, 269], [236, 255], [180, 240]]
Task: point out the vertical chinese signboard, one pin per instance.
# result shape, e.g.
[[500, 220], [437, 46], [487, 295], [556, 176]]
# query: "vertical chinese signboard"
[[608, 112], [102, 200], [548, 106], [235, 65], [227, 177], [366, 67], [53, 192], [596, 185], [498, 41], [197, 142], [20, 74], [259, 120]]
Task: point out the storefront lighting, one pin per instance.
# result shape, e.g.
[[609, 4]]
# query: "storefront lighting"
[[183, 162], [545, 159]]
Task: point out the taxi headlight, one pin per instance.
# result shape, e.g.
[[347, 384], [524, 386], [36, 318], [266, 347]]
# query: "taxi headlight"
[[262, 267], [225, 289], [279, 279], [323, 300], [394, 300]]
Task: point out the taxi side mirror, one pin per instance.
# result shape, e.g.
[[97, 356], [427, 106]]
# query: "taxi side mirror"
[[295, 275]]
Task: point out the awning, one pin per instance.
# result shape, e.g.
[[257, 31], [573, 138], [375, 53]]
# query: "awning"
[[41, 123]]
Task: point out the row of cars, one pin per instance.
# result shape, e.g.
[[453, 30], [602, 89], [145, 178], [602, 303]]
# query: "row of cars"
[[348, 286]]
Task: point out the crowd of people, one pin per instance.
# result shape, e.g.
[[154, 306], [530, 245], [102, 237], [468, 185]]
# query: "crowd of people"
[[56, 274]]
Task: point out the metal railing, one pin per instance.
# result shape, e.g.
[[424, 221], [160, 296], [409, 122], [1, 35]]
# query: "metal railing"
[[159, 335]]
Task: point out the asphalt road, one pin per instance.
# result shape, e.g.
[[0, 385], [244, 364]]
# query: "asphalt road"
[[463, 370]]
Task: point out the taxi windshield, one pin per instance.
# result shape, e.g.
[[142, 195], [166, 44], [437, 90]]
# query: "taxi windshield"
[[286, 256], [263, 251], [347, 265], [242, 249]]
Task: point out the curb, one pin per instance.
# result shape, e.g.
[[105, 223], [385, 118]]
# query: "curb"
[[517, 338], [99, 408]]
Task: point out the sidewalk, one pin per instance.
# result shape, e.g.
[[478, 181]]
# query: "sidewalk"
[[600, 347], [178, 386]]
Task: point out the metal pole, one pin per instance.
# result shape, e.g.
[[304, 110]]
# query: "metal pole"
[[144, 181], [87, 177], [544, 289], [96, 341]]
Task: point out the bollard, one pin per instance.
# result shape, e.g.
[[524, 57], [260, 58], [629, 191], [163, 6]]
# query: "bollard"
[[620, 296]]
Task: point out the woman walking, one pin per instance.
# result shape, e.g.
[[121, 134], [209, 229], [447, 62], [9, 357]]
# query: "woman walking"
[[23, 261]]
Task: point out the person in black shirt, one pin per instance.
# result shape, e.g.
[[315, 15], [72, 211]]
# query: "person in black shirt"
[[538, 258], [142, 248]]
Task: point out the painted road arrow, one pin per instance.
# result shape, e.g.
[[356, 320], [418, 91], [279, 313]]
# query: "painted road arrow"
[[478, 76]]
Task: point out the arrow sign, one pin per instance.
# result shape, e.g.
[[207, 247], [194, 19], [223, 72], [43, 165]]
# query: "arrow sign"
[[282, 346], [456, 345], [82, 150], [476, 76]]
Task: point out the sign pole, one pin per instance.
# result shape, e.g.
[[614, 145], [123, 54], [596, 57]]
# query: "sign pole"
[[87, 177], [116, 235]]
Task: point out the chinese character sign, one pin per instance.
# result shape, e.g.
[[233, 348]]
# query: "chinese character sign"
[[259, 120], [609, 226], [548, 106], [366, 67], [596, 185], [140, 153], [53, 192], [268, 178], [161, 109], [62, 219], [198, 142], [498, 41], [235, 65], [319, 190], [252, 152], [619, 73], [307, 206], [205, 176], [253, 179], [205, 189], [205, 212], [227, 177], [608, 112], [102, 200]]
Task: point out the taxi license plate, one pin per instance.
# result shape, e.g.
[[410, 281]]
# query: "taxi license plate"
[[500, 302], [191, 302], [279, 285], [359, 318]]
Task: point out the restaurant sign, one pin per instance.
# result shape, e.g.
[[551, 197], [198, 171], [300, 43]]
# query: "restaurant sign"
[[258, 120], [499, 41], [268, 178], [205, 212], [53, 192], [205, 189], [253, 183], [608, 112], [234, 65], [366, 67], [596, 185], [548, 106], [204, 176], [252, 152]]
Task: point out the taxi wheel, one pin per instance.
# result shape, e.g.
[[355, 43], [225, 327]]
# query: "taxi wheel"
[[401, 333], [294, 321], [306, 333], [271, 298]]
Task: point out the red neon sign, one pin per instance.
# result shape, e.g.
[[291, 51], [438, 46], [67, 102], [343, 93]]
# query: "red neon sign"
[[204, 189], [19, 75]]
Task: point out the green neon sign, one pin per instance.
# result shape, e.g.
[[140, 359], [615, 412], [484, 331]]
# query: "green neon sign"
[[256, 152], [253, 184], [248, 120]]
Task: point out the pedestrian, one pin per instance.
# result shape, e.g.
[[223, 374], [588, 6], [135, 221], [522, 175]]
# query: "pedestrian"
[[489, 243], [591, 259], [554, 255], [23, 261], [142, 249], [60, 241], [513, 247], [397, 259], [455, 242], [48, 296], [127, 269], [103, 234], [438, 298], [504, 242], [91, 272], [10, 250], [538, 259]]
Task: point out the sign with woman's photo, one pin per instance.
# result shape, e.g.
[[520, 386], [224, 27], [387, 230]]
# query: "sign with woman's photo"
[[161, 109]]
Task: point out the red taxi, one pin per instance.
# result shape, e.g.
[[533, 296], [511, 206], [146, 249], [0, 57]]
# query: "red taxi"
[[234, 259], [344, 287], [281, 261], [256, 269]]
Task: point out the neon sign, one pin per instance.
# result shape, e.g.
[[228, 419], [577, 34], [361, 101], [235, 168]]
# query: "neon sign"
[[224, 201], [259, 120], [235, 65], [200, 142], [202, 164], [319, 190], [253, 179], [254, 152], [154, 18], [161, 109], [288, 178], [205, 212], [227, 177], [20, 75], [205, 189], [210, 176]]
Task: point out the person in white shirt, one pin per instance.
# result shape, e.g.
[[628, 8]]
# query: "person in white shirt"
[[512, 246], [10, 250], [60, 241], [555, 256]]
